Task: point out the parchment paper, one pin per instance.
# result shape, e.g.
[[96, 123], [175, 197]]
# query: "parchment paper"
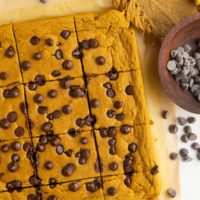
[[23, 10]]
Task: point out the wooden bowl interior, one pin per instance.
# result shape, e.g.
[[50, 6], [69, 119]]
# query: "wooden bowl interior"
[[181, 34]]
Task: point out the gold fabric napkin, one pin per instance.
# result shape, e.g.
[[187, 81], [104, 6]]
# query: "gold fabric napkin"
[[156, 17]]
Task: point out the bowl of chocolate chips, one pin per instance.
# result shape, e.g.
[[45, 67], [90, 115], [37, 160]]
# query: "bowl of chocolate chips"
[[179, 64]]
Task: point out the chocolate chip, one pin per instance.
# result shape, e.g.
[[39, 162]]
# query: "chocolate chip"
[[111, 131], [25, 65], [60, 149], [66, 109], [27, 146], [65, 34], [187, 129], [32, 86], [69, 152], [12, 116], [11, 93], [195, 145], [74, 186], [94, 103], [100, 60], [171, 192], [67, 65], [103, 132], [191, 120], [120, 117], [52, 182], [49, 42], [184, 138], [112, 150], [110, 113], [110, 93], [165, 114], [72, 132], [107, 85], [40, 147], [48, 165], [4, 123], [52, 93], [46, 126], [16, 146], [69, 169], [77, 53], [5, 148], [84, 140], [80, 122], [113, 74], [10, 52], [90, 120], [192, 136], [93, 186], [33, 180], [19, 131], [59, 54], [40, 79], [125, 129], [14, 185], [55, 73], [182, 121], [129, 90], [132, 147], [173, 156], [173, 128], [22, 107], [15, 158], [183, 152], [118, 104], [13, 166], [42, 109], [56, 114], [113, 166], [34, 40], [112, 191], [52, 197], [31, 197], [93, 43], [127, 181], [154, 170], [38, 98], [3, 76], [76, 91], [54, 140], [37, 56], [85, 44]]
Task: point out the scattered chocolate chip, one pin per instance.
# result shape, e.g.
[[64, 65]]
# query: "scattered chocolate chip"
[[40, 147], [113, 166], [129, 90], [31, 197], [14, 185], [5, 148], [72, 132], [40, 79], [110, 113], [154, 170], [165, 114], [107, 85], [13, 166], [84, 140], [184, 138], [171, 192], [111, 131], [69, 169], [34, 40], [125, 129], [37, 56], [113, 74], [112, 191], [59, 54], [27, 146], [10, 52], [69, 152], [100, 60], [120, 116], [15, 158], [182, 121], [33, 180], [32, 86], [93, 186], [22, 107], [74, 186], [46, 126], [85, 44], [52, 182], [187, 159], [94, 103], [49, 42], [16, 146], [42, 109], [110, 93], [65, 34], [195, 145], [66, 109], [132, 147], [4, 123], [118, 104], [187, 129], [173, 156], [48, 165], [76, 91], [183, 152], [52, 197], [3, 76], [55, 73], [54, 140], [192, 136], [173, 128], [65, 83], [52, 93], [93, 43], [38, 98], [19, 131], [67, 65], [77, 53], [12, 116], [60, 149], [25, 65], [44, 1], [191, 120]]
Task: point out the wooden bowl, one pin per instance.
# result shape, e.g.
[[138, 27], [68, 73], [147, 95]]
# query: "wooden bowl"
[[186, 32]]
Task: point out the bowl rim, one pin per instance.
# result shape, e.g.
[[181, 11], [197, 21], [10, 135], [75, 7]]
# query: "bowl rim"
[[177, 28]]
